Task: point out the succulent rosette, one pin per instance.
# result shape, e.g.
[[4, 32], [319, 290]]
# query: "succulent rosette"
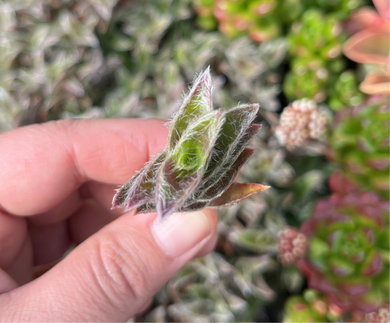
[[360, 142], [206, 149], [348, 257]]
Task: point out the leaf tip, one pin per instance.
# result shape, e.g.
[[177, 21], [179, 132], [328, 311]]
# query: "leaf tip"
[[260, 187]]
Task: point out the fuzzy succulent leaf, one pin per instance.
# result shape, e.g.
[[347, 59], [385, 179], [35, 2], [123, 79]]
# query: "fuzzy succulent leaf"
[[236, 123], [139, 189], [220, 185], [182, 171], [206, 149], [220, 173], [196, 104]]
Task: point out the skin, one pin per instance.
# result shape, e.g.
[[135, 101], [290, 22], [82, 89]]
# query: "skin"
[[57, 181]]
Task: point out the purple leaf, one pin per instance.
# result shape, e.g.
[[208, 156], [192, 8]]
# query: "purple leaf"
[[141, 188]]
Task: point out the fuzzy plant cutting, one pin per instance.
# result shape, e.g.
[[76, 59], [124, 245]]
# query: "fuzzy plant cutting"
[[205, 151]]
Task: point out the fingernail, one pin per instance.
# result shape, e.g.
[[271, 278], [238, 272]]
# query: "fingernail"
[[181, 232]]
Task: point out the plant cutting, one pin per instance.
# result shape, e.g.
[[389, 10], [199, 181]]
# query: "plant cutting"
[[206, 149]]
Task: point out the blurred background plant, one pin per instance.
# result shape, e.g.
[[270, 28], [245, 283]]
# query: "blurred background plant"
[[370, 45], [131, 58], [317, 68]]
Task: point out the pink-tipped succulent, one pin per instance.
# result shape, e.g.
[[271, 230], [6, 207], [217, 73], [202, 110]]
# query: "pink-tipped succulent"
[[371, 45], [206, 149], [292, 246], [382, 315], [301, 121]]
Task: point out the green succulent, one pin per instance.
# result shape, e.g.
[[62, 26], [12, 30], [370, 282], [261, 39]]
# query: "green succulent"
[[316, 35], [206, 149], [340, 8], [317, 65], [344, 91], [360, 142], [308, 78], [263, 20]]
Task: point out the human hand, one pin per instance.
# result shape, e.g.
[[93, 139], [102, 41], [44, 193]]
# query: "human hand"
[[57, 181]]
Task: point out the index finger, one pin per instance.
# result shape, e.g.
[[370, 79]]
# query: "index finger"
[[42, 164]]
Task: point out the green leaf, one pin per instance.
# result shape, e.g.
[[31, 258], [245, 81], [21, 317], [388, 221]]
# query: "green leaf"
[[341, 267]]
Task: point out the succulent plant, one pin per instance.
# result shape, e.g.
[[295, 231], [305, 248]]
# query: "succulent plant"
[[73, 59], [316, 35], [315, 45], [50, 58], [292, 246], [261, 19], [311, 307], [301, 121], [370, 46], [382, 315], [348, 258], [339, 8], [308, 77], [213, 290], [206, 149], [360, 143], [344, 91], [155, 89]]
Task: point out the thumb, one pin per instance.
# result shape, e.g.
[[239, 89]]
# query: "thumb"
[[113, 274]]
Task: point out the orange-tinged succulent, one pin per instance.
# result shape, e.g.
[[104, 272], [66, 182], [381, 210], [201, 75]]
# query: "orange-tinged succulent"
[[371, 45]]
